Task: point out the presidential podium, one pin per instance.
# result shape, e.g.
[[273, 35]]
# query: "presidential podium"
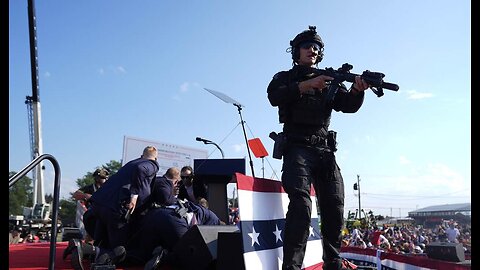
[[216, 174]]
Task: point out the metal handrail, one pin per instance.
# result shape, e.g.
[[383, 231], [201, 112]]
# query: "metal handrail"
[[56, 194]]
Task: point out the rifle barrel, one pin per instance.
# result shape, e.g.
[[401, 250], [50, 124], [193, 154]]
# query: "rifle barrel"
[[390, 86]]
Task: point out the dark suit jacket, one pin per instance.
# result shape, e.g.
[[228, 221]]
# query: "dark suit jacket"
[[163, 191], [163, 227], [135, 177], [199, 190]]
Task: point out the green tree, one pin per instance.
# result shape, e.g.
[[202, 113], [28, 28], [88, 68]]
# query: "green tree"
[[112, 166], [49, 198], [20, 195], [67, 212], [68, 206]]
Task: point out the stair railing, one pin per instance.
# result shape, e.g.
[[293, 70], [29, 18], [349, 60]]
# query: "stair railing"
[[56, 194]]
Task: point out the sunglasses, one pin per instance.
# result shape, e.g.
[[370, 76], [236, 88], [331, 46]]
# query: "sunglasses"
[[186, 177], [308, 45]]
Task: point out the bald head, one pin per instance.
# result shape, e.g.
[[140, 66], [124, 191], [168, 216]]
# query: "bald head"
[[173, 173]]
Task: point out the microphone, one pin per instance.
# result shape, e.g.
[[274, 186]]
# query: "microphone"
[[203, 140]]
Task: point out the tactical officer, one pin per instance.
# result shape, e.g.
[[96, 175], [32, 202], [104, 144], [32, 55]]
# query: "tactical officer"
[[308, 151], [100, 175]]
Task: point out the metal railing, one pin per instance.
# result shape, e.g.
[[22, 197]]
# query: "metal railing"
[[56, 194]]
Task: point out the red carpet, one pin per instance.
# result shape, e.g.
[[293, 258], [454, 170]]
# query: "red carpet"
[[33, 256]]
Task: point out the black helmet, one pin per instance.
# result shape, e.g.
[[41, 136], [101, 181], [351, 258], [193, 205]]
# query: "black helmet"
[[309, 35]]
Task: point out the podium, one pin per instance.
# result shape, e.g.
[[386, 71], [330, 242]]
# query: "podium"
[[216, 174]]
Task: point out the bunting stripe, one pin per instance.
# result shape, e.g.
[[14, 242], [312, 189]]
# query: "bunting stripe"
[[270, 234], [263, 205]]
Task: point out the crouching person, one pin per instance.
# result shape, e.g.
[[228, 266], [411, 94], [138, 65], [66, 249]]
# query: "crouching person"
[[162, 228]]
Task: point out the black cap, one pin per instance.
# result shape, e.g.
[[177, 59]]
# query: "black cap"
[[102, 173]]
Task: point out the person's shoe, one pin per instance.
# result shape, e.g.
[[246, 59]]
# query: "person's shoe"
[[77, 255], [154, 263], [68, 250], [339, 264], [347, 265], [115, 256]]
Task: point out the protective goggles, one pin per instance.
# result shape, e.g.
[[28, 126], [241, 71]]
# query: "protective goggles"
[[308, 45]]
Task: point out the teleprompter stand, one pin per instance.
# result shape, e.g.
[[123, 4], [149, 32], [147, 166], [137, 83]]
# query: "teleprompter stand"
[[239, 106]]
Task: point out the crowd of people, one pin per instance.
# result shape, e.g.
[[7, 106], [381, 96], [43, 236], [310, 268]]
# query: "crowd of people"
[[17, 236], [407, 238]]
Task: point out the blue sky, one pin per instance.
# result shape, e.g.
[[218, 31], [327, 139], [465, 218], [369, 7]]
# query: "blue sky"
[[110, 69]]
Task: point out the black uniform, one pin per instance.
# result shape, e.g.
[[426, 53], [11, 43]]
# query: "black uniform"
[[89, 189], [308, 158]]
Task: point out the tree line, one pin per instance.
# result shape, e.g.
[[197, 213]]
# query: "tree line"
[[21, 194]]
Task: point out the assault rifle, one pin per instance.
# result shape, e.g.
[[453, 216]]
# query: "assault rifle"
[[374, 79]]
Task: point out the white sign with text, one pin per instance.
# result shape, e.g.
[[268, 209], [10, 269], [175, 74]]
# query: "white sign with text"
[[169, 155]]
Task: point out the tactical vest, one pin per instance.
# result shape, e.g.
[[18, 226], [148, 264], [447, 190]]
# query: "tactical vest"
[[309, 110]]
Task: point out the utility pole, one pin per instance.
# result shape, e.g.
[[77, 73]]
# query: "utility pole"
[[359, 205]]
